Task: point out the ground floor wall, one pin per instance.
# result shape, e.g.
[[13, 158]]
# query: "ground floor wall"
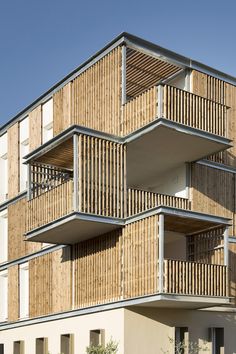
[[80, 326], [138, 330], [151, 330]]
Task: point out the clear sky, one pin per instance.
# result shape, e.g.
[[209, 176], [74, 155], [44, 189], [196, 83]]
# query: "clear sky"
[[43, 40]]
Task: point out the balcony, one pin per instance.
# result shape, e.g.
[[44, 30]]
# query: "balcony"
[[170, 126], [192, 278]]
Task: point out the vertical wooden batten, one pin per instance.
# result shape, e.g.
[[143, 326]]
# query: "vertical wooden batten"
[[35, 128], [13, 293]]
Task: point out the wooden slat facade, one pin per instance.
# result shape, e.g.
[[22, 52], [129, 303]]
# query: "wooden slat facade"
[[102, 180], [223, 93], [49, 206], [35, 128], [97, 270], [191, 278], [212, 191], [140, 200], [17, 246], [13, 293], [62, 109], [93, 99], [13, 161], [50, 283], [140, 258], [206, 247], [139, 111], [178, 106]]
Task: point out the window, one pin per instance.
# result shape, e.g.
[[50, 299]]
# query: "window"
[[41, 346], [97, 336], [3, 296], [217, 340], [3, 236], [19, 347], [24, 290], [3, 168], [181, 340], [1, 348], [67, 344], [24, 150], [47, 119]]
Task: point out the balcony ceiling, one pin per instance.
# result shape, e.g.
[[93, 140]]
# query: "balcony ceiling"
[[163, 147], [183, 301], [74, 228], [60, 156]]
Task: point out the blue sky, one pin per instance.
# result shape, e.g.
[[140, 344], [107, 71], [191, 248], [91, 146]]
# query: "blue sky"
[[43, 40]]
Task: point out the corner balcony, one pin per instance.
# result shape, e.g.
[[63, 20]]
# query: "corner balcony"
[[182, 264], [165, 127]]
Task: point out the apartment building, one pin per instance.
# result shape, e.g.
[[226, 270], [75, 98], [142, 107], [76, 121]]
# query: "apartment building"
[[117, 208]]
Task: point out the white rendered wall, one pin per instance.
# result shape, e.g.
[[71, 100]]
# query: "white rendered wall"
[[47, 119], [3, 236], [3, 296], [24, 150], [3, 168], [175, 246], [24, 290], [112, 321], [173, 183]]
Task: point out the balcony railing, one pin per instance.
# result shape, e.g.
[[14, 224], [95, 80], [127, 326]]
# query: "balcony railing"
[[178, 106], [139, 201], [191, 278], [49, 206]]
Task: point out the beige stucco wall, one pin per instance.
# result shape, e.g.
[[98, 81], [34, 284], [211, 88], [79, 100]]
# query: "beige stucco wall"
[[147, 329], [111, 321], [139, 330]]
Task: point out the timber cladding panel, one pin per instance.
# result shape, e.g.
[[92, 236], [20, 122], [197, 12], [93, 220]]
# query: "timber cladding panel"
[[13, 160], [140, 253], [213, 191], [102, 180], [62, 104], [13, 293], [206, 247], [35, 128], [224, 93], [17, 246], [50, 283], [93, 99], [117, 265], [97, 270]]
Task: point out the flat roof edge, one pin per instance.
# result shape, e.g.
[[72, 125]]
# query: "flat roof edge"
[[122, 38]]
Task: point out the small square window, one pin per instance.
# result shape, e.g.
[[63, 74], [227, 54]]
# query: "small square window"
[[97, 337], [19, 347], [67, 343], [41, 346]]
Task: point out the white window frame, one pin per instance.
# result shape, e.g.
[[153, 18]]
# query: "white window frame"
[[3, 295], [47, 120], [3, 236], [24, 290]]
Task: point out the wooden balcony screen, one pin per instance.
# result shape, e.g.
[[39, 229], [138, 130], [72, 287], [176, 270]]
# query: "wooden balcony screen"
[[178, 106], [139, 201], [191, 278], [49, 206], [102, 185]]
